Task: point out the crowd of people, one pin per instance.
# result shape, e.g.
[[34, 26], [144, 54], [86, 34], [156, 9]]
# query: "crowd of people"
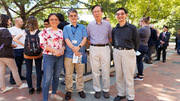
[[53, 48]]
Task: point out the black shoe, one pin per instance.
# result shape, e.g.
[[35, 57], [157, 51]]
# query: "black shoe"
[[97, 95], [23, 78], [82, 94], [149, 62], [130, 100], [39, 90], [68, 96], [31, 91], [119, 98], [63, 82], [12, 82], [156, 59], [106, 94], [164, 61]]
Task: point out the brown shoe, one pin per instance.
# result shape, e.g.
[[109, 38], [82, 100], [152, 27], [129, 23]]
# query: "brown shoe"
[[68, 96], [106, 94], [97, 95], [82, 94]]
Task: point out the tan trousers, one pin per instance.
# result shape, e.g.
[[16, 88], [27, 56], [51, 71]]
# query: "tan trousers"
[[100, 58], [125, 63], [12, 65], [69, 67]]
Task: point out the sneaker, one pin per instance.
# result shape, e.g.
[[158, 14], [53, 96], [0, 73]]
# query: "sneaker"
[[119, 98], [31, 91], [138, 78], [24, 85], [140, 75], [56, 97], [39, 90], [7, 89]]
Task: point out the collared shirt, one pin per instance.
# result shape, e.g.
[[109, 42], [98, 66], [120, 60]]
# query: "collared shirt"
[[53, 39], [99, 33], [75, 34], [126, 36]]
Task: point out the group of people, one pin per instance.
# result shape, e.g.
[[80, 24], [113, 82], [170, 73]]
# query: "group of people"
[[61, 40]]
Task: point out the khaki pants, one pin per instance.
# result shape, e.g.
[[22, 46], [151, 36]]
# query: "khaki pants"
[[12, 65], [69, 67], [100, 58], [125, 63]]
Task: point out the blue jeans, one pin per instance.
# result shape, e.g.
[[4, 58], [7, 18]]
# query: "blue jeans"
[[19, 58], [52, 66], [29, 66], [178, 46], [140, 67]]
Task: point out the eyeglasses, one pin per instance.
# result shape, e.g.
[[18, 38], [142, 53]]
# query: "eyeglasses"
[[53, 20], [118, 14], [73, 16], [96, 12]]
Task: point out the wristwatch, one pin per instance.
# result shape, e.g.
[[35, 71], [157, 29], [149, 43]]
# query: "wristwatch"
[[79, 46]]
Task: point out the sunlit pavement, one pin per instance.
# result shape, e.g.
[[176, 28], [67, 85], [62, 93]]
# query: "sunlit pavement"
[[161, 83]]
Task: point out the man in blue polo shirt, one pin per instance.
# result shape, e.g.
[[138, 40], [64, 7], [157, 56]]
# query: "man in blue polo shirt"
[[75, 36]]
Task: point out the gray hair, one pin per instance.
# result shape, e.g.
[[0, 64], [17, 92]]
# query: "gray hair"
[[72, 10]]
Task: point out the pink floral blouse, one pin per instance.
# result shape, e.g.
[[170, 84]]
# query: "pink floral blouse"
[[53, 39]]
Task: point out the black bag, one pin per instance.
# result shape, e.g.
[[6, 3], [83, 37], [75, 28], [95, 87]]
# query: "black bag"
[[32, 44]]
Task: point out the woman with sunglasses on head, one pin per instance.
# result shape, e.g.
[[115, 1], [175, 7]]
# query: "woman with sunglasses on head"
[[7, 56], [51, 41]]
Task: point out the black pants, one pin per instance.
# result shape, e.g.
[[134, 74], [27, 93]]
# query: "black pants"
[[148, 54], [159, 53], [29, 67], [19, 58]]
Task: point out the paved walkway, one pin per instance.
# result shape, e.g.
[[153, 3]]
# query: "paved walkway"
[[161, 83]]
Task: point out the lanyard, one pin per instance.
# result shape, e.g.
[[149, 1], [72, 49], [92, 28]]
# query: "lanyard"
[[73, 32]]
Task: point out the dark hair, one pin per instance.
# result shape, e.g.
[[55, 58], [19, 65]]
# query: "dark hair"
[[146, 19], [46, 20], [4, 20], [72, 10], [51, 15], [126, 12], [32, 23], [97, 6], [60, 16], [104, 18], [166, 26]]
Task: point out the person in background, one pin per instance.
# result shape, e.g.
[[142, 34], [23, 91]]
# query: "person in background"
[[18, 51], [99, 37], [75, 36], [7, 56], [144, 33], [31, 32], [163, 43], [151, 42], [125, 39], [61, 26], [46, 23], [107, 19], [52, 43], [178, 41]]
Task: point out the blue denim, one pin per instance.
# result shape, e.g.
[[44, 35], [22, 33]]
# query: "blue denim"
[[19, 58], [52, 66], [140, 67], [29, 66], [178, 46]]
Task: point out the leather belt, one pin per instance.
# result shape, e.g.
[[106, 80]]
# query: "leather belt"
[[122, 48], [99, 45]]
